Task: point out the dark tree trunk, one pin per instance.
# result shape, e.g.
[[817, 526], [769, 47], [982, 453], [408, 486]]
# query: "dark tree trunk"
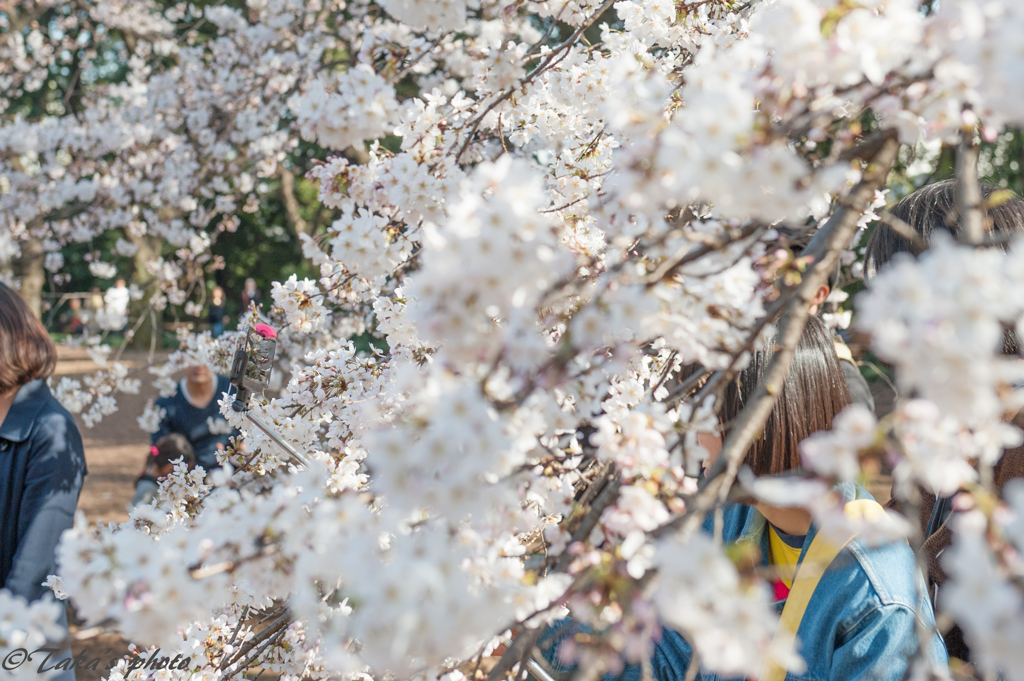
[[29, 270]]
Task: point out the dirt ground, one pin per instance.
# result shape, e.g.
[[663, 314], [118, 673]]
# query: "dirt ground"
[[115, 450]]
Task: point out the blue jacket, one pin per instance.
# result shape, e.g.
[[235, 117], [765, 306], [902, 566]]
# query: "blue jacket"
[[860, 622], [42, 465], [181, 417]]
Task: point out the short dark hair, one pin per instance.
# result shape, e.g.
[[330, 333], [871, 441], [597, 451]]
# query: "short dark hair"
[[932, 207], [935, 206], [813, 393], [26, 351], [170, 448]]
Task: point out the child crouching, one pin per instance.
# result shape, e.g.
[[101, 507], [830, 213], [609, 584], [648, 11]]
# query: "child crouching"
[[159, 464]]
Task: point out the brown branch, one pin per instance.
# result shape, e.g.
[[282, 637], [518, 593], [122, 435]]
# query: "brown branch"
[[670, 267], [605, 499], [526, 641], [969, 200], [917, 243], [280, 630], [521, 648], [241, 618], [566, 205], [413, 62], [664, 375], [291, 204], [268, 631]]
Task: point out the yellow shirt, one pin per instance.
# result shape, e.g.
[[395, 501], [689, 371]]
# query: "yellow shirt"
[[784, 558]]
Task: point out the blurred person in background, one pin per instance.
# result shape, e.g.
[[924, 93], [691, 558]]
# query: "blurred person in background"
[[42, 461], [93, 308], [250, 296], [218, 316], [159, 464], [117, 300], [193, 411], [71, 321], [930, 208]]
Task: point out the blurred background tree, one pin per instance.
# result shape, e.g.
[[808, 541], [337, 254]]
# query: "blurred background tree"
[[265, 245], [262, 239]]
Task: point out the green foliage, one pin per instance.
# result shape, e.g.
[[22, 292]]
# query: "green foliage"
[[264, 248], [999, 162]]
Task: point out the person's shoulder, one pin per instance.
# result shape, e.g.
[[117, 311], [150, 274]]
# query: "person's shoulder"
[[147, 481], [738, 522], [887, 568], [54, 418], [883, 574], [55, 432]]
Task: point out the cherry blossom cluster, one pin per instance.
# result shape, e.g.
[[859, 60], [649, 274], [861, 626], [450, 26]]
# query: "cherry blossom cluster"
[[544, 216], [949, 310], [27, 626], [983, 592]]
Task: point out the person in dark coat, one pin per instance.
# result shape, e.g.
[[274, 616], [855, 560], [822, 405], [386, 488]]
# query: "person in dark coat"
[[193, 411], [218, 315], [42, 461], [250, 297]]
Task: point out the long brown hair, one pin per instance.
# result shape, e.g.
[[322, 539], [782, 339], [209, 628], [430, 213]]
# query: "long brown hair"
[[26, 351], [812, 394]]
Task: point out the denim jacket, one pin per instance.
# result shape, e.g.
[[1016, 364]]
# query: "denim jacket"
[[861, 622]]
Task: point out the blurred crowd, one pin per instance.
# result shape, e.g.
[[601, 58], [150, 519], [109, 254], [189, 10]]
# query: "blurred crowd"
[[96, 311]]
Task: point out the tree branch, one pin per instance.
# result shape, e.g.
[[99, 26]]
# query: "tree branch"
[[969, 200], [670, 267], [917, 243], [291, 204], [555, 56], [523, 645]]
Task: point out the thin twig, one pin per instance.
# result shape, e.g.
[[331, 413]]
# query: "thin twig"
[[605, 499], [670, 267], [274, 639], [565, 205], [238, 626], [557, 54], [408, 67], [684, 388], [917, 243], [526, 641], [520, 649], [668, 369], [267, 632]]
